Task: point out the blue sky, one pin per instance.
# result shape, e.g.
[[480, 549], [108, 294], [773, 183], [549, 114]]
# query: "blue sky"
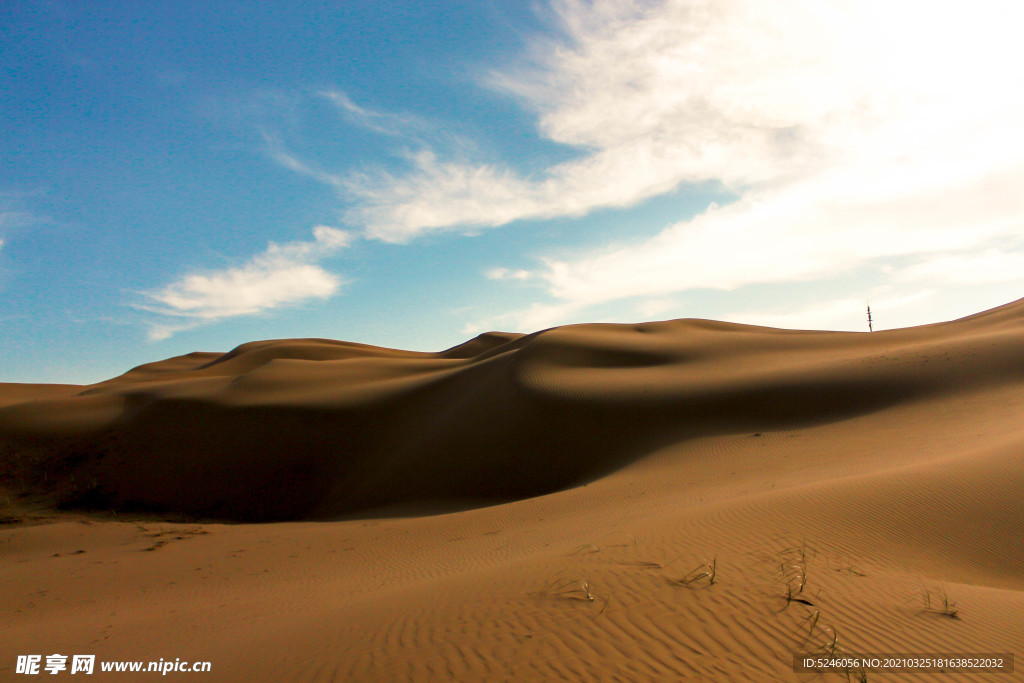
[[194, 175]]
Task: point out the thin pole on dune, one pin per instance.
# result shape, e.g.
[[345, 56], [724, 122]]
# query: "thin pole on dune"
[[870, 328]]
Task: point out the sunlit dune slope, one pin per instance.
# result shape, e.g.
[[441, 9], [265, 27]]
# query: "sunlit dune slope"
[[307, 429]]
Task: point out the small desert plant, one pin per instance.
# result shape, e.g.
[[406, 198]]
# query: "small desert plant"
[[943, 605], [831, 647], [572, 590], [707, 571], [794, 596], [618, 539], [812, 622], [793, 571], [585, 549]]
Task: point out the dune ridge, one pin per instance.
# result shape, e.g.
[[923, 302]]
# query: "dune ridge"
[[313, 428]]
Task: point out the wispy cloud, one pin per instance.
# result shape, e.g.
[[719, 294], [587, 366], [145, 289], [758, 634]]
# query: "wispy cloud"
[[283, 275], [438, 195], [13, 212], [507, 274], [14, 216], [277, 151], [816, 229], [386, 123], [16, 219], [854, 134], [434, 194], [538, 316], [846, 313], [744, 92], [949, 234], [993, 265]]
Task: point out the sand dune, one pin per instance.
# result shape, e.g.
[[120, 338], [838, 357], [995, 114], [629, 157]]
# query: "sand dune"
[[526, 507]]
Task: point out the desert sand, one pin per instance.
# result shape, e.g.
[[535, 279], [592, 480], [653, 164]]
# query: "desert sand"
[[672, 500]]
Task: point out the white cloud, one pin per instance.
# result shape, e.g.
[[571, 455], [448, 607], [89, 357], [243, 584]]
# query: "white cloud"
[[277, 151], [380, 122], [651, 308], [973, 268], [855, 133], [161, 331], [752, 93], [539, 316], [812, 230], [284, 274], [437, 195], [508, 274], [838, 314], [816, 230]]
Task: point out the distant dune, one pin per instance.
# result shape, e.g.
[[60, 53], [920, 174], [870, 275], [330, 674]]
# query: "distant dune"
[[313, 428], [843, 490]]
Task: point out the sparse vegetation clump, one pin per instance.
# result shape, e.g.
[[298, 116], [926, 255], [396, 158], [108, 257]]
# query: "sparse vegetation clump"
[[830, 645], [942, 606], [572, 589], [793, 572], [708, 571]]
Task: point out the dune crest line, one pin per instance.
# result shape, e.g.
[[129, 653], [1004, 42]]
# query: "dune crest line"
[[315, 428]]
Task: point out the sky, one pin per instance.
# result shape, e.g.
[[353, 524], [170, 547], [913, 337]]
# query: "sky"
[[188, 175]]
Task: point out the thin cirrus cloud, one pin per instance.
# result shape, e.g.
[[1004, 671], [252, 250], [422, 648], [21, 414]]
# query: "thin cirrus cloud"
[[747, 93], [384, 123], [12, 216], [284, 274], [959, 233], [972, 268], [854, 134]]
